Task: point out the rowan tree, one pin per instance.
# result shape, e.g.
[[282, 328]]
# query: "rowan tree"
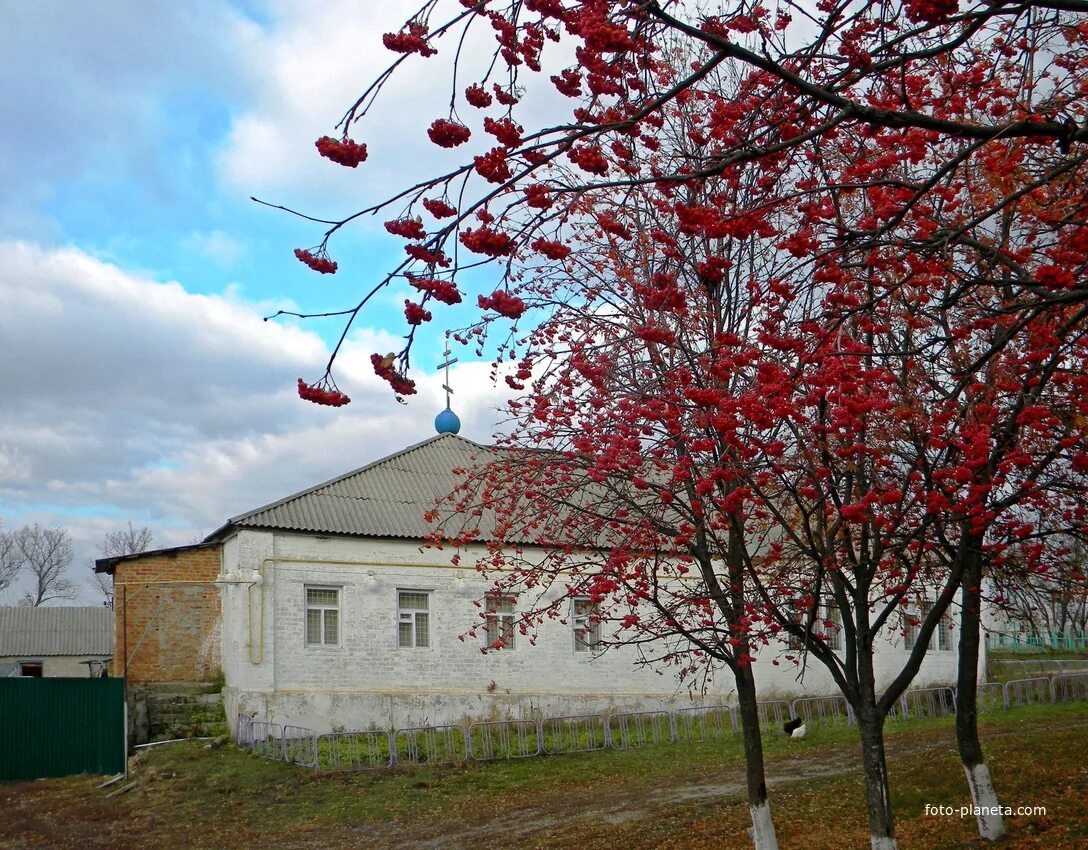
[[910, 177]]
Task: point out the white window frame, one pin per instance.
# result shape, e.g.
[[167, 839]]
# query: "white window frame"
[[500, 612], [411, 616], [944, 633], [586, 624], [833, 615], [324, 608]]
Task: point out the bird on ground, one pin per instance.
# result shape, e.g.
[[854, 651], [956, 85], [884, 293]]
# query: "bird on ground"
[[795, 728]]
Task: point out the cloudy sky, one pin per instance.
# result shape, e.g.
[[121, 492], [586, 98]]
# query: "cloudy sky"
[[140, 383]]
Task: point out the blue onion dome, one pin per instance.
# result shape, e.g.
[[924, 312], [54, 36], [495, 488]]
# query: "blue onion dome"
[[447, 422]]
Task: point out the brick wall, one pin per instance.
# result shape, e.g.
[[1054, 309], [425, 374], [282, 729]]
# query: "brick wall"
[[170, 607]]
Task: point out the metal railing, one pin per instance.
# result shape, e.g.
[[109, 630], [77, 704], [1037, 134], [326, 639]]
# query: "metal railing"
[[515, 739]]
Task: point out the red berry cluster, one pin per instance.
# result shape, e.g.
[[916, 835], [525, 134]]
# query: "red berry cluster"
[[931, 11], [1055, 277], [589, 158], [319, 262], [438, 208], [441, 290], [416, 314], [424, 255], [341, 151], [412, 40], [448, 134], [503, 96], [492, 166], [322, 394], [484, 240], [538, 195], [383, 368], [503, 303], [506, 131], [551, 250], [654, 333], [409, 228], [477, 96], [569, 82]]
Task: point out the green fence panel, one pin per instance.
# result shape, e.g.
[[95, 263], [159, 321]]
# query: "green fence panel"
[[60, 727]]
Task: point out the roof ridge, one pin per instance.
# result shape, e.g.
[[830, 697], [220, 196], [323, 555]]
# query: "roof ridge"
[[342, 477]]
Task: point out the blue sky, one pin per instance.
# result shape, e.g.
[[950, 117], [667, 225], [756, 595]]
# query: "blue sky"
[[140, 382]]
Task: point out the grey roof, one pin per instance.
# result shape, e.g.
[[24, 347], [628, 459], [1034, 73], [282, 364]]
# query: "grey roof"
[[387, 498], [56, 631]]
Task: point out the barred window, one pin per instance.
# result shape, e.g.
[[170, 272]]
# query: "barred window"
[[413, 619], [833, 615], [499, 618], [585, 616], [322, 616]]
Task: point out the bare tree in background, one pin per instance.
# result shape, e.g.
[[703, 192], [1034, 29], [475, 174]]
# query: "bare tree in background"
[[127, 541], [45, 554], [10, 562]]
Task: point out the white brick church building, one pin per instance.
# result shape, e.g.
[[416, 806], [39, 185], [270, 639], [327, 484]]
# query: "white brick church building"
[[335, 616]]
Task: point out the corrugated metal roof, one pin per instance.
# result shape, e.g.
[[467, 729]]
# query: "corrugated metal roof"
[[56, 631], [387, 498]]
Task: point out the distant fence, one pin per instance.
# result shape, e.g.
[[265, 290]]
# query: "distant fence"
[[498, 740]]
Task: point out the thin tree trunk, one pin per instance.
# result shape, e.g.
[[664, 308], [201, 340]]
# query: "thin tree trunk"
[[762, 830], [874, 764], [991, 825]]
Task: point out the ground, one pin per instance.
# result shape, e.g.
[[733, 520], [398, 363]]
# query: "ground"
[[669, 796]]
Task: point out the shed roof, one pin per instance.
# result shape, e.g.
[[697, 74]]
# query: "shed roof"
[[56, 631]]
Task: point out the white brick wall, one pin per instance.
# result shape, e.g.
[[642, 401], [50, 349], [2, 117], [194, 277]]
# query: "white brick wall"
[[368, 681]]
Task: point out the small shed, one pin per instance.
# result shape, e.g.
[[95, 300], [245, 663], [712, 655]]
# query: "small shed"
[[56, 641]]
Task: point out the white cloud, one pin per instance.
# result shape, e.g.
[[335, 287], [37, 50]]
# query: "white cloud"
[[219, 247], [127, 398]]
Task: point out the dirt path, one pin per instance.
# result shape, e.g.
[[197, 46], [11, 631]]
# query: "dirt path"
[[545, 820]]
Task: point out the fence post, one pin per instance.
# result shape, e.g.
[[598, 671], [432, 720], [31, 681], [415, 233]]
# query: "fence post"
[[392, 736], [540, 736]]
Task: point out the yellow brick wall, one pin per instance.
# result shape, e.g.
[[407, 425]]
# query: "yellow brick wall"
[[167, 606]]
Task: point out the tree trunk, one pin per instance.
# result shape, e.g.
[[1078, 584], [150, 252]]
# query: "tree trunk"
[[991, 825], [877, 796], [762, 829]]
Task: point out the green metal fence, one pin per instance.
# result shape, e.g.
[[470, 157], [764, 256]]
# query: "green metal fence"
[[1037, 642], [59, 727]]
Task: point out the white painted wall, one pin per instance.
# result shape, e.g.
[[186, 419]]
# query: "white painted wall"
[[367, 681]]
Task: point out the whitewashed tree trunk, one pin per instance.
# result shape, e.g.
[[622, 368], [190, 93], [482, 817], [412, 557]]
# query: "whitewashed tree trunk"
[[883, 842], [991, 825], [762, 830]]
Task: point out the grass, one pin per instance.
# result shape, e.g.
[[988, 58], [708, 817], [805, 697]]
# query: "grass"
[[671, 795]]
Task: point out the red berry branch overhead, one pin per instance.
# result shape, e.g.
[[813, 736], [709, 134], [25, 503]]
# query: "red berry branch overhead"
[[899, 126]]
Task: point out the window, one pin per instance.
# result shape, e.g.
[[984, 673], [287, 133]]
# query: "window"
[[912, 624], [413, 619], [944, 633], [833, 631], [499, 616], [30, 668], [794, 642], [322, 616], [587, 624]]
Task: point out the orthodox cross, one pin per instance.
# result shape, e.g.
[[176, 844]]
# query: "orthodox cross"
[[445, 364]]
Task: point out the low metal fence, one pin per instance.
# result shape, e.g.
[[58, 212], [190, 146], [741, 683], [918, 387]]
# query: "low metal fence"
[[928, 702], [991, 696], [431, 745], [299, 746], [267, 739], [1069, 687], [705, 723], [367, 750], [512, 739], [505, 739], [1020, 692], [575, 734], [640, 729], [774, 713], [823, 710]]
